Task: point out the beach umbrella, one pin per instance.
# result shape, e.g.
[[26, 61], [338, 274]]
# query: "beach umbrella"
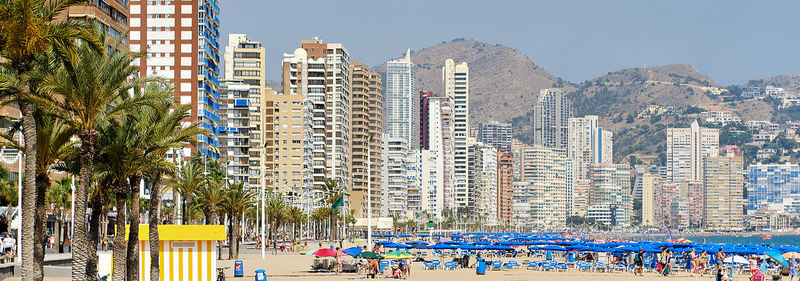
[[791, 255], [325, 253], [735, 259], [368, 255], [398, 255], [417, 246], [681, 240], [353, 251], [777, 256], [442, 246]]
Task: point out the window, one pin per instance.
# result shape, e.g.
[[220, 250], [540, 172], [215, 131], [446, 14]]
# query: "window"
[[247, 64], [247, 73], [247, 55]]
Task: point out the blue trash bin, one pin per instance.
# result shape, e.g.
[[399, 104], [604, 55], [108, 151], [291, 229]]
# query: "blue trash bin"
[[480, 269], [238, 268], [260, 275]]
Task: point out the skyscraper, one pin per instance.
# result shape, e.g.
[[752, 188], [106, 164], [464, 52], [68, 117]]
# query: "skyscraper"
[[495, 134], [648, 199], [551, 119], [424, 111], [455, 85], [686, 149], [505, 167], [545, 170], [367, 129], [331, 97], [402, 104], [396, 177], [440, 142], [610, 199], [483, 181], [181, 40], [588, 144], [245, 60], [724, 192]]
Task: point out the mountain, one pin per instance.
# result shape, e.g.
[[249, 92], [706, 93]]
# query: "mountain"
[[504, 82], [619, 97], [788, 82]]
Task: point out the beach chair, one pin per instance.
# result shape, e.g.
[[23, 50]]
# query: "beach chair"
[[620, 266], [561, 267], [451, 265], [547, 266], [497, 265], [508, 266], [599, 266], [533, 265], [436, 264], [428, 266], [583, 266], [514, 263]]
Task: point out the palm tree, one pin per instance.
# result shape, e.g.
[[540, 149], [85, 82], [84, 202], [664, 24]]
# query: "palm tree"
[[331, 192], [209, 201], [28, 28], [81, 98], [296, 216], [186, 182], [238, 200], [277, 214], [59, 198]]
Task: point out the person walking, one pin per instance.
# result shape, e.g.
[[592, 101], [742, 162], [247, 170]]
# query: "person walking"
[[638, 260]]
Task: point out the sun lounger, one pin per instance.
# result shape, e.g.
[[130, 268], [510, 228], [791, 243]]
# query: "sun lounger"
[[599, 266]]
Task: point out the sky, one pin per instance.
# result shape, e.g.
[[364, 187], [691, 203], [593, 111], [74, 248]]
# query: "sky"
[[731, 41]]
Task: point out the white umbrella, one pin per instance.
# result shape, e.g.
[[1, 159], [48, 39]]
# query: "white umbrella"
[[736, 259]]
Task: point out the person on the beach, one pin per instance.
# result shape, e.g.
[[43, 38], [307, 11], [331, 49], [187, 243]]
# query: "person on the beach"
[[338, 261], [720, 256], [407, 263], [639, 261], [373, 268], [691, 263], [702, 262], [665, 257]]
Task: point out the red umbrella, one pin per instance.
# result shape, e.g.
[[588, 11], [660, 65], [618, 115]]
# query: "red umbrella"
[[325, 253]]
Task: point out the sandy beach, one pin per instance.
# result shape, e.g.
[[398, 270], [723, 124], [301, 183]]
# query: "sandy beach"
[[295, 266]]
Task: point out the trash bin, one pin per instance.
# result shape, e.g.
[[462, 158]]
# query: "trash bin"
[[238, 268], [480, 268], [260, 275]]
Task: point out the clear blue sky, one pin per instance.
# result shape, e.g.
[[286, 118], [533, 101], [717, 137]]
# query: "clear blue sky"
[[732, 41]]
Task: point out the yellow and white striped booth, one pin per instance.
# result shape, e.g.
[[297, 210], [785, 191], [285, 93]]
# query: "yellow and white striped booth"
[[187, 252]]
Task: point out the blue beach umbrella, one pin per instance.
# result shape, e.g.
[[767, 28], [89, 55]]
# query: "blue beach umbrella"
[[353, 251], [777, 256]]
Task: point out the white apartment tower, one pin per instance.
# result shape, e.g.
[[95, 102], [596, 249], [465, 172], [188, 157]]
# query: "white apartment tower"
[[182, 43], [402, 104], [551, 119], [455, 85], [440, 142], [686, 150], [588, 144]]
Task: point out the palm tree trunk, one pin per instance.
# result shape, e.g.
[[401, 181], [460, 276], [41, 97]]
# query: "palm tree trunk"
[[133, 234], [187, 210], [175, 206], [80, 244], [31, 266], [94, 235], [230, 238], [57, 234], [155, 202], [42, 183], [120, 247], [234, 246]]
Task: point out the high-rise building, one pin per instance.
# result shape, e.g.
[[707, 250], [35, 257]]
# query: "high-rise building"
[[580, 197], [483, 181], [181, 40], [520, 206], [455, 85], [610, 199], [330, 75], [545, 169], [402, 104], [244, 61], [440, 142], [430, 181], [724, 192], [768, 185], [112, 16], [686, 149], [648, 199], [297, 152], [366, 117], [495, 134], [397, 166], [551, 119], [424, 111], [235, 129], [505, 167], [588, 144], [666, 202]]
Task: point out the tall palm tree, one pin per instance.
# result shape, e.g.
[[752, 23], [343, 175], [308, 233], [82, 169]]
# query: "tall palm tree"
[[28, 28], [238, 200], [331, 192], [86, 94], [277, 214], [186, 182], [296, 217], [165, 132], [59, 198]]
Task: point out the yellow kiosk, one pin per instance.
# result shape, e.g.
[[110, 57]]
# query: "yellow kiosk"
[[186, 252]]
